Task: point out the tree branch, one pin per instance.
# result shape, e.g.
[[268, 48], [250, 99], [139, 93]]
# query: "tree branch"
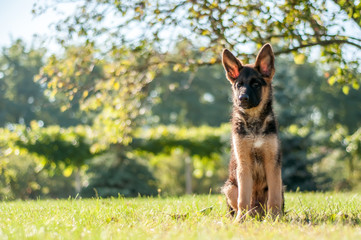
[[320, 43]]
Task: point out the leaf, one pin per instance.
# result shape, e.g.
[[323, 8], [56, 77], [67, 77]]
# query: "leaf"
[[116, 85], [345, 89], [214, 5], [63, 108], [177, 67], [213, 60], [37, 77], [355, 85], [34, 125], [205, 32], [293, 129], [332, 80], [299, 58], [68, 171]]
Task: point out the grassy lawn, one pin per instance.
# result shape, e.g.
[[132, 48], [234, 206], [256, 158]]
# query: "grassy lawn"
[[308, 216]]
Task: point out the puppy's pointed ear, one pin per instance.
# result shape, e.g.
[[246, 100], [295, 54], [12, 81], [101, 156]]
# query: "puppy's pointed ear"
[[232, 65], [265, 62]]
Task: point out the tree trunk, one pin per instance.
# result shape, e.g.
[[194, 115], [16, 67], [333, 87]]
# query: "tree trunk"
[[350, 168], [188, 175], [77, 180]]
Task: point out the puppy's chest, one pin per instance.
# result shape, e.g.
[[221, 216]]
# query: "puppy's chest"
[[252, 149], [255, 128], [253, 138], [253, 143]]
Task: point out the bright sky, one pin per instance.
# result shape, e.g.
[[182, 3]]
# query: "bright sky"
[[17, 21]]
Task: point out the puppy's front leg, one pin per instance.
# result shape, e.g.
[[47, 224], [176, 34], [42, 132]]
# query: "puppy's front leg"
[[244, 176], [273, 176], [245, 184]]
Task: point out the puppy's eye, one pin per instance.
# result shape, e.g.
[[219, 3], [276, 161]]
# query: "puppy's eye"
[[256, 85], [239, 84]]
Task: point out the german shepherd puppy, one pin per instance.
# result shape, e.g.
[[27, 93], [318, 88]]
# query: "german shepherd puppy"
[[254, 185]]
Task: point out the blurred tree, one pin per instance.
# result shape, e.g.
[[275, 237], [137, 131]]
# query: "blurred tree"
[[309, 112], [185, 159], [23, 175], [111, 72], [350, 154], [110, 88], [296, 26], [22, 100], [64, 149], [133, 49], [189, 98], [114, 174], [23, 178]]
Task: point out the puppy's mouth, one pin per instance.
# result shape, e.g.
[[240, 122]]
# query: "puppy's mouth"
[[246, 105]]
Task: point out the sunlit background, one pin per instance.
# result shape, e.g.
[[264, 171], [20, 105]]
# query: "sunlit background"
[[108, 98]]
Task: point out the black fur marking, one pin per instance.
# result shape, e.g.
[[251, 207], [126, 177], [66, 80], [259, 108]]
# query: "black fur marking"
[[279, 158], [248, 72], [271, 128], [240, 128]]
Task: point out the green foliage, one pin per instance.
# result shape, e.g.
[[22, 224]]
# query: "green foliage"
[[296, 163], [296, 26], [51, 153], [350, 146], [125, 66], [23, 177], [39, 162], [19, 178], [201, 141], [20, 97], [309, 109], [108, 87], [111, 74], [59, 147], [166, 150], [22, 100], [171, 148], [190, 98], [114, 174]]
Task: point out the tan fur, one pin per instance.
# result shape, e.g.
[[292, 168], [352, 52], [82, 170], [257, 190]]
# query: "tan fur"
[[250, 192], [244, 173], [231, 192], [273, 175]]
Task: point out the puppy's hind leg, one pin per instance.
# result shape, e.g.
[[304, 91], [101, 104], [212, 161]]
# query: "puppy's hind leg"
[[231, 191]]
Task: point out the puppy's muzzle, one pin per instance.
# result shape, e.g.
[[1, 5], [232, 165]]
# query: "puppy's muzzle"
[[244, 100]]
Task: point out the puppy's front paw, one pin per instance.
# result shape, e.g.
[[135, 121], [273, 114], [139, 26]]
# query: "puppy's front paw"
[[275, 211], [241, 216]]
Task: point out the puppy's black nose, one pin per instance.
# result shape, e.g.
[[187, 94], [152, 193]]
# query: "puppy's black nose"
[[244, 98]]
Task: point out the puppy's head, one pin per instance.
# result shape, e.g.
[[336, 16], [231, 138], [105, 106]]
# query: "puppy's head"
[[249, 81]]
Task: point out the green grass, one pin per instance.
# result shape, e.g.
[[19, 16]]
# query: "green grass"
[[308, 216]]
